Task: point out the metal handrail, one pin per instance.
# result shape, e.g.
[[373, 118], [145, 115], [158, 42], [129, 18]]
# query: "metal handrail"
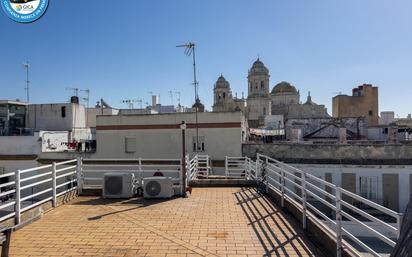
[[17, 189], [282, 178]]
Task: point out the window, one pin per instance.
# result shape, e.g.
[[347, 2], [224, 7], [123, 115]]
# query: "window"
[[202, 144], [130, 144], [63, 111], [370, 113], [262, 85], [264, 111], [224, 95], [369, 188]]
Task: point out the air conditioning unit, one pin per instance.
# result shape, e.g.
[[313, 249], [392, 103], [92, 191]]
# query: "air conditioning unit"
[[118, 185], [158, 187]]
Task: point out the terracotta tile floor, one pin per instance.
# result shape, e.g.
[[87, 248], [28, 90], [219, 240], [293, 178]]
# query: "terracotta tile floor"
[[211, 222]]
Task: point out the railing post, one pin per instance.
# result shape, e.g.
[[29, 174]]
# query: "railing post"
[[188, 173], [207, 165], [141, 171], [18, 197], [282, 183], [399, 224], [267, 176], [80, 175], [257, 166], [304, 200], [247, 169], [54, 184], [140, 164], [226, 168], [338, 222]]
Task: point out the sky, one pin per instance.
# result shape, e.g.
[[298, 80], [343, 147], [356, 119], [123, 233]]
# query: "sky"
[[127, 49]]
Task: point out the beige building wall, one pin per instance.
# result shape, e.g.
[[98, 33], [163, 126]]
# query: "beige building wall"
[[159, 136], [363, 102], [92, 113]]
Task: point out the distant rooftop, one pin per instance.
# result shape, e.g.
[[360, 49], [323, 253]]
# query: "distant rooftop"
[[16, 102]]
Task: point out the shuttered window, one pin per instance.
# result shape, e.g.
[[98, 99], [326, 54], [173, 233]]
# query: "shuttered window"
[[130, 144]]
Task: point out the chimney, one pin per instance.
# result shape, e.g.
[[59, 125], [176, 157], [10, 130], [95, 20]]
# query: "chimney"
[[155, 100]]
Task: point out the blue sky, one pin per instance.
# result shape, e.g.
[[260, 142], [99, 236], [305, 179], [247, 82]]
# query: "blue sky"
[[124, 49]]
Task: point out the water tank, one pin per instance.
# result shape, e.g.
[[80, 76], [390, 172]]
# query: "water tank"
[[74, 100]]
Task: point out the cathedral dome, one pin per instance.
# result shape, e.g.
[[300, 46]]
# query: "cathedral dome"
[[283, 87], [222, 82], [258, 67]]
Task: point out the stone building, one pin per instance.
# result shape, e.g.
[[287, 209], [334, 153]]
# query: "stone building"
[[258, 100], [284, 99], [223, 98], [362, 103]]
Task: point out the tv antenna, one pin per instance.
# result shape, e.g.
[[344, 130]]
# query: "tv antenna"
[[27, 88], [74, 89], [171, 96], [178, 97], [140, 102], [190, 51], [129, 102], [87, 98]]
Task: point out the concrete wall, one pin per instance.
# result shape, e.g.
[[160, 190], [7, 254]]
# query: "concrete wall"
[[13, 165], [93, 112], [20, 145], [49, 117], [159, 136], [395, 154]]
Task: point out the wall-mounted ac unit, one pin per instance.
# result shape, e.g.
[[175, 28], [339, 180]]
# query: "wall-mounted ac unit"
[[158, 187], [118, 185]]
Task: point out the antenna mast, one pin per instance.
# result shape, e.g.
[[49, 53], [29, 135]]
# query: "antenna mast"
[[27, 88], [178, 97], [75, 90], [171, 96], [87, 98], [190, 50]]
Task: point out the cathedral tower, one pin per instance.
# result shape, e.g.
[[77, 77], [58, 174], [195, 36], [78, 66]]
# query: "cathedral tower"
[[258, 101]]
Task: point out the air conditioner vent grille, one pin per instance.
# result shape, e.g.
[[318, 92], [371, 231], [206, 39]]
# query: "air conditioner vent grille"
[[114, 185], [153, 188]]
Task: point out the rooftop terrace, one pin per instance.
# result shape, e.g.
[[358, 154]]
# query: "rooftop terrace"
[[211, 222]]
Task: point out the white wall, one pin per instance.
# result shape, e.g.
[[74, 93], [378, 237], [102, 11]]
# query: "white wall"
[[49, 117], [54, 141], [166, 142]]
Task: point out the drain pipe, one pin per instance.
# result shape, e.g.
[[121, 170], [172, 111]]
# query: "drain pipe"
[[183, 128]]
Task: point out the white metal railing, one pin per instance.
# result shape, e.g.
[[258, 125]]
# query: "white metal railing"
[[191, 168], [240, 167], [199, 165], [26, 189], [92, 170], [307, 192], [203, 165]]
